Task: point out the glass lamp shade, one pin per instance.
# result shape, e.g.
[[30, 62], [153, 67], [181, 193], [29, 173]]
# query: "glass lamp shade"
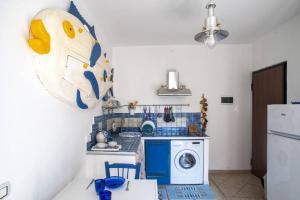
[[210, 41]]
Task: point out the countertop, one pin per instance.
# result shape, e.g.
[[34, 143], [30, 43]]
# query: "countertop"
[[176, 138], [201, 136], [129, 146]]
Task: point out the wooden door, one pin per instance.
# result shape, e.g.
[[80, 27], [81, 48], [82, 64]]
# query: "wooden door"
[[268, 87]]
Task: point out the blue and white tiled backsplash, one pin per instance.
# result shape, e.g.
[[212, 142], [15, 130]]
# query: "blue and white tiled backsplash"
[[132, 123]]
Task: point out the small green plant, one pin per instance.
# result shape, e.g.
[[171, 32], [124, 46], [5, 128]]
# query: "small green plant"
[[132, 105]]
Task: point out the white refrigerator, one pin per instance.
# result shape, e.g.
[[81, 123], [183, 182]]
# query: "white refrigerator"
[[283, 152]]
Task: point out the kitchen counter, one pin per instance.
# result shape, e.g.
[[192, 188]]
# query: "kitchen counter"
[[131, 152], [177, 137], [129, 146]]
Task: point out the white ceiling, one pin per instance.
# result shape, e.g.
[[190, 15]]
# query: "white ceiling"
[[161, 22]]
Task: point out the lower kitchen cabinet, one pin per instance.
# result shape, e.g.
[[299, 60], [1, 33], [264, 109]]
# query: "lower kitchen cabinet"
[[157, 160], [94, 167], [94, 164]]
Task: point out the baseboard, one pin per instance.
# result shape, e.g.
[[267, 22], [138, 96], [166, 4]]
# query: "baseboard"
[[242, 171]]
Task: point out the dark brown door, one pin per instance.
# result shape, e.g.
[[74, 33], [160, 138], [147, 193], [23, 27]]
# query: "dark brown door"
[[268, 87]]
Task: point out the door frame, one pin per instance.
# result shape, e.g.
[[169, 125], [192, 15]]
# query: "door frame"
[[284, 63]]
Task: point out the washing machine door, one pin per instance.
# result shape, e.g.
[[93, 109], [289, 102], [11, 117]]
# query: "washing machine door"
[[187, 160]]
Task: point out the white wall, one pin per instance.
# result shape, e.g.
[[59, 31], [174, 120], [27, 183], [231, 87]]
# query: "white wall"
[[41, 139], [225, 70], [282, 44]]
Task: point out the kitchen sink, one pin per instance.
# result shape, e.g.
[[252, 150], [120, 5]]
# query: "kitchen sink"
[[130, 134]]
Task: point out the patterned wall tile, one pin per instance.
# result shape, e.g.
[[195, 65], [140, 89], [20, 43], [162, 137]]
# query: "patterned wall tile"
[[132, 123]]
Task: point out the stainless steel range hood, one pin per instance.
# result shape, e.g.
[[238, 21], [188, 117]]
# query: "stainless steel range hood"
[[173, 88]]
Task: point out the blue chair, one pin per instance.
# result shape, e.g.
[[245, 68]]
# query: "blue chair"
[[123, 167]]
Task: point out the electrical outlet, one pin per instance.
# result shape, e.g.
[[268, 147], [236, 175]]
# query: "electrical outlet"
[[4, 190]]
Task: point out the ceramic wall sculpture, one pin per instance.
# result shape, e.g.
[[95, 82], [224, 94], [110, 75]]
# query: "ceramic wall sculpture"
[[69, 60]]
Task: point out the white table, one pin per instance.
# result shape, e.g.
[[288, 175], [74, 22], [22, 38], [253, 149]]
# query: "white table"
[[138, 189]]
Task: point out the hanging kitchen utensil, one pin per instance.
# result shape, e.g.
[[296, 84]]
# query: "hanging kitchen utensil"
[[156, 111], [172, 115], [165, 114], [167, 111], [168, 114], [145, 112]]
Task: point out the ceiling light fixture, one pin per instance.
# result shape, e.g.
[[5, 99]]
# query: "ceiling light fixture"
[[211, 31]]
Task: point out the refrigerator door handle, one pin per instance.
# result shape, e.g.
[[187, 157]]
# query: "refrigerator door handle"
[[287, 135], [283, 114]]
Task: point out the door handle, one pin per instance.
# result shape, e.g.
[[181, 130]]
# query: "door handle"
[[283, 114]]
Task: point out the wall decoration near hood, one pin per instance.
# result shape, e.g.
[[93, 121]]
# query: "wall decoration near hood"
[[173, 88], [69, 60], [204, 107]]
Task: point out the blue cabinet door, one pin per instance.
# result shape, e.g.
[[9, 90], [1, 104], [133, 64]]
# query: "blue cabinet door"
[[157, 161]]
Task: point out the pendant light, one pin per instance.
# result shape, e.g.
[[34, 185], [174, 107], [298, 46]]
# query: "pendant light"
[[211, 31]]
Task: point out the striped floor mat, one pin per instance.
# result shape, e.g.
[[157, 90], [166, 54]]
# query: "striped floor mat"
[[183, 192]]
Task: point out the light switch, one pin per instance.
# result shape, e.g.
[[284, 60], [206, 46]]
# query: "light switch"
[[227, 100], [4, 190]]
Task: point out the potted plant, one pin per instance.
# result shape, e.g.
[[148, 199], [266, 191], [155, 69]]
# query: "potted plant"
[[132, 107]]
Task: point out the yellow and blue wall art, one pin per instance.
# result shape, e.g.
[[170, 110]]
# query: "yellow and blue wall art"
[[68, 58]]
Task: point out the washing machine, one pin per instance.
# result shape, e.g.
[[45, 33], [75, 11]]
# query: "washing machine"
[[187, 165]]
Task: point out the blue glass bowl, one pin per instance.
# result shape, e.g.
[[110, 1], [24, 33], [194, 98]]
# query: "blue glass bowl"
[[148, 129], [114, 182]]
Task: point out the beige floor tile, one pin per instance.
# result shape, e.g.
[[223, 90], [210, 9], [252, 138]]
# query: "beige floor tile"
[[219, 178], [237, 179], [254, 180], [243, 186], [230, 190], [251, 191]]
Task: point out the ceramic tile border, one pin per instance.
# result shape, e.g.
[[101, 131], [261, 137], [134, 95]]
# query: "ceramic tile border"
[[132, 122]]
